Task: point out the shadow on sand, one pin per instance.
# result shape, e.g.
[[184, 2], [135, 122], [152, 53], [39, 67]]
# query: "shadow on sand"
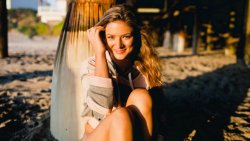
[[24, 76], [21, 111], [16, 114], [200, 108]]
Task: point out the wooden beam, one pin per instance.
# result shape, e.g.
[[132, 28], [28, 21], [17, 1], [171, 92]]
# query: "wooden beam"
[[247, 44], [3, 30]]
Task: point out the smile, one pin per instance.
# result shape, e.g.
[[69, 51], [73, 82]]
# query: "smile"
[[119, 51]]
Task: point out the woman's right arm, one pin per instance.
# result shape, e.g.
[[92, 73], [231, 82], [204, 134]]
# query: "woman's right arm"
[[99, 93], [101, 83], [101, 69]]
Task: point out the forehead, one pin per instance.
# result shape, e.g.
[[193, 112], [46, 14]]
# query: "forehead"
[[118, 28]]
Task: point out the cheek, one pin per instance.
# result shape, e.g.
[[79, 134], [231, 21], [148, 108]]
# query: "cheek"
[[128, 43], [110, 44]]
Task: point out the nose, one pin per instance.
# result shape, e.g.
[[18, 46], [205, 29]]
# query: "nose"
[[118, 43]]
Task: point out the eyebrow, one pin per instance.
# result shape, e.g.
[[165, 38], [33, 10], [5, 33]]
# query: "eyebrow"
[[130, 33]]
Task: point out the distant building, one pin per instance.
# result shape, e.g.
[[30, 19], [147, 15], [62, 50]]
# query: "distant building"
[[8, 4], [13, 4], [52, 13]]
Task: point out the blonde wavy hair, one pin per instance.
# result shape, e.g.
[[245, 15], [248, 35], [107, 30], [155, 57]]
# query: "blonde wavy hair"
[[143, 55]]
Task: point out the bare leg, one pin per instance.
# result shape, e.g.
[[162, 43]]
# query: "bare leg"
[[118, 125], [140, 103], [115, 127]]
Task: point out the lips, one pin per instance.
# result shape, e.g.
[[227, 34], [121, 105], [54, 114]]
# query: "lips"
[[119, 51]]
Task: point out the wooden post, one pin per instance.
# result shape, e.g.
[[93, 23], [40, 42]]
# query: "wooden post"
[[247, 23], [196, 32], [243, 43], [67, 99], [3, 30]]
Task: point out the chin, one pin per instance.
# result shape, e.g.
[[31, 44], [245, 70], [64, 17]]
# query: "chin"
[[120, 58]]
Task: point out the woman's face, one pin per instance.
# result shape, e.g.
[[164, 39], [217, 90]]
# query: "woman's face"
[[120, 39]]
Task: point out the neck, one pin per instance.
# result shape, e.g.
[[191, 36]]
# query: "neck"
[[123, 66]]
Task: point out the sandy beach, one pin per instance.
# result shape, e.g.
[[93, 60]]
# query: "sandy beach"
[[206, 96]]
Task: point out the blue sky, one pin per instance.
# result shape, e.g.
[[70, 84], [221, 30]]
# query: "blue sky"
[[24, 4]]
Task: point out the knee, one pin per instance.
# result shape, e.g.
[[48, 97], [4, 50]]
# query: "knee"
[[120, 117], [120, 113], [141, 99]]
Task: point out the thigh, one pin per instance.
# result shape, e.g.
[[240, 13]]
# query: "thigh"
[[99, 133], [115, 126], [140, 104], [141, 99]]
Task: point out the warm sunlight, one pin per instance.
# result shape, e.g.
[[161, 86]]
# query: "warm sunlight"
[[188, 60]]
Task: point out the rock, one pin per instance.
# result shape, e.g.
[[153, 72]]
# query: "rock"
[[45, 91]]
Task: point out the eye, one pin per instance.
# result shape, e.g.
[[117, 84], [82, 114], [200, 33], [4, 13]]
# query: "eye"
[[110, 37], [127, 37]]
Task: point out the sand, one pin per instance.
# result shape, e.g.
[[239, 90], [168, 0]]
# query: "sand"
[[206, 97]]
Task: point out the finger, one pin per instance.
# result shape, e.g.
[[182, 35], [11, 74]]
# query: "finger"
[[92, 62], [90, 68], [93, 31], [90, 29], [100, 28], [91, 59]]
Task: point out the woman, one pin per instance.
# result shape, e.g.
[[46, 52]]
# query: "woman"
[[119, 78]]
